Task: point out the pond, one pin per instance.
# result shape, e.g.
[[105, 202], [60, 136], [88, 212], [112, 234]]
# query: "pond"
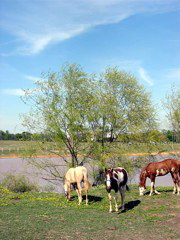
[[19, 166]]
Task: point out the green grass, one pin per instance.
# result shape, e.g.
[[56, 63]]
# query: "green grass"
[[49, 216], [21, 148]]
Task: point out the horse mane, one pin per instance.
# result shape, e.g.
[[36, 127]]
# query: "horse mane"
[[143, 174], [145, 167]]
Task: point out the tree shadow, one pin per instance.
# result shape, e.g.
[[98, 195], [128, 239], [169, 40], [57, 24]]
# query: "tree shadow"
[[130, 205]]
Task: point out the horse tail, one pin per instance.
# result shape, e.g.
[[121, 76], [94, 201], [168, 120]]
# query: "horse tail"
[[87, 184], [86, 181], [127, 188]]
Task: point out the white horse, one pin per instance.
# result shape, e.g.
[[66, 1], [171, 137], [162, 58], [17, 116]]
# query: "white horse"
[[76, 176]]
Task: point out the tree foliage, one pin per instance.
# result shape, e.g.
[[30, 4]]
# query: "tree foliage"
[[76, 109], [125, 106], [172, 104]]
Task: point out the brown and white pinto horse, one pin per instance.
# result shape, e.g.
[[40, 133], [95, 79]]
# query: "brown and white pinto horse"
[[75, 176], [154, 169], [116, 179]]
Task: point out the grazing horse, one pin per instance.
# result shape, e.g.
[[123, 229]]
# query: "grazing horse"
[[116, 179], [154, 169], [74, 177]]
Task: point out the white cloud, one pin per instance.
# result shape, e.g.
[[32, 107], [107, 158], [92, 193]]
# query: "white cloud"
[[32, 78], [173, 73], [144, 76], [37, 24], [12, 92]]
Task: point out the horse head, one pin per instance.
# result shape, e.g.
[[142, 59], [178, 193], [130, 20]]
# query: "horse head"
[[142, 190], [108, 177], [66, 190], [142, 186]]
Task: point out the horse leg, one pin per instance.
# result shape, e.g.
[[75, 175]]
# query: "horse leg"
[[79, 193], [178, 188], [122, 192], [153, 189], [86, 197], [176, 181], [178, 184], [116, 199], [86, 191], [156, 191], [174, 189], [79, 196], [153, 186], [110, 202], [175, 186], [69, 195]]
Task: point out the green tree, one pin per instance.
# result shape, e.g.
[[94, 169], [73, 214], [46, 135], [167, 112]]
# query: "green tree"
[[125, 106], [172, 104], [62, 107], [75, 110]]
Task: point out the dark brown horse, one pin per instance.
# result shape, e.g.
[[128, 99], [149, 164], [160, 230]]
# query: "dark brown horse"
[[116, 179], [154, 169]]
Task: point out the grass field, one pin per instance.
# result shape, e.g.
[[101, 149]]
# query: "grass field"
[[49, 216], [20, 148]]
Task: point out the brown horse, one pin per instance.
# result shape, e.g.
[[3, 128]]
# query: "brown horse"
[[75, 176], [116, 179], [154, 169]]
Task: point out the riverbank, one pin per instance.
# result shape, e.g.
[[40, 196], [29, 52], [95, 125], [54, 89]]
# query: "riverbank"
[[125, 154], [23, 148]]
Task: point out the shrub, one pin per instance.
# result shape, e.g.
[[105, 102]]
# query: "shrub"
[[18, 183]]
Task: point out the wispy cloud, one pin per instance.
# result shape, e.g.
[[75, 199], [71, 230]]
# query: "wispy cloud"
[[32, 78], [144, 76], [173, 73], [12, 92], [37, 24]]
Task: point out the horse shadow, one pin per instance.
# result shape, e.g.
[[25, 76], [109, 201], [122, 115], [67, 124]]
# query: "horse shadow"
[[91, 198], [160, 191], [130, 205]]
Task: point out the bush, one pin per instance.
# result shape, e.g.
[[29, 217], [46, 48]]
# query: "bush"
[[18, 184]]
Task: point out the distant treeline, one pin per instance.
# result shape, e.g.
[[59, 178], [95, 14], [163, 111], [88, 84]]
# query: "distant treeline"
[[6, 135], [151, 136]]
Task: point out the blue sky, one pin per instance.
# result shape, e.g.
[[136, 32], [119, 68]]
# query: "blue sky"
[[139, 36]]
